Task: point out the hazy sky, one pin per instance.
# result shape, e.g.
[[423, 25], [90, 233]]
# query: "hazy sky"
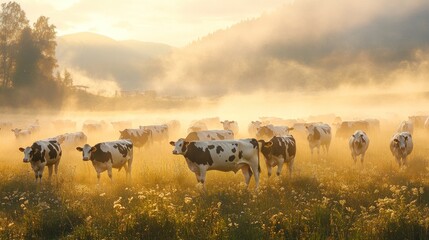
[[175, 22]]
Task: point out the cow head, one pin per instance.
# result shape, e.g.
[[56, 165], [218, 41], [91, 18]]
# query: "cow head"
[[401, 142], [266, 147], [358, 139], [61, 139], [313, 133], [16, 131], [87, 150], [180, 147], [28, 153]]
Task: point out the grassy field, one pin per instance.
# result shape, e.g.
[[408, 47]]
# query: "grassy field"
[[326, 198]]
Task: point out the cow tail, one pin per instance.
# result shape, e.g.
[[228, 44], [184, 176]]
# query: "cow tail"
[[257, 148]]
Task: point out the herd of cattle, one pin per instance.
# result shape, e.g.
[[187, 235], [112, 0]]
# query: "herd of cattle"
[[206, 149]]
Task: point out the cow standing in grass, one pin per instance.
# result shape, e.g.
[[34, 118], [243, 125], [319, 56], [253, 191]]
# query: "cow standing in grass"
[[223, 155], [43, 153], [358, 144], [230, 125], [107, 155], [277, 151], [401, 145], [319, 135]]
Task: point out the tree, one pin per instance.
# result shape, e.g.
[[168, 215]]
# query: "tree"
[[44, 36], [12, 22], [27, 58], [68, 80]]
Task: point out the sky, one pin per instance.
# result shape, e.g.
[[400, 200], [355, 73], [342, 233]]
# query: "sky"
[[173, 22]]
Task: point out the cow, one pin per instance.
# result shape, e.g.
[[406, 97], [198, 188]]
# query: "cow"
[[68, 140], [230, 125], [197, 126], [406, 126], [418, 121], [43, 153], [107, 155], [159, 133], [139, 137], [253, 127], [319, 135], [221, 155], [93, 126], [21, 133], [277, 151], [401, 145], [358, 144], [347, 128], [210, 135], [269, 131]]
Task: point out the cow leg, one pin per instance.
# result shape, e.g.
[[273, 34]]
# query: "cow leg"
[[362, 157], [354, 157], [255, 169], [290, 167], [109, 172], [130, 161], [280, 166], [269, 170], [50, 168], [311, 150], [98, 177], [36, 174], [247, 174]]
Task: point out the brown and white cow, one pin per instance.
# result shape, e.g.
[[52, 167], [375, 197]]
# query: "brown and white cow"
[[401, 145], [43, 153], [230, 125], [139, 137], [210, 135], [107, 155], [358, 144], [222, 155], [277, 151]]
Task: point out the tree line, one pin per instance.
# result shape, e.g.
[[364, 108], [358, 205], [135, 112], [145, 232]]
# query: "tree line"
[[28, 61]]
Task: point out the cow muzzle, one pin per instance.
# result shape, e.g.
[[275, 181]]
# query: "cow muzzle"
[[25, 160], [175, 152], [85, 158]]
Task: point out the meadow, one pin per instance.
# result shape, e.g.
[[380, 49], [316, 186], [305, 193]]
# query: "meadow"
[[327, 198]]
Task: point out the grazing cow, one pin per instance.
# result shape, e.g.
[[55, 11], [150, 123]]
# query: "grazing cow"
[[197, 126], [210, 135], [358, 144], [21, 133], [139, 137], [222, 155], [347, 128], [406, 126], [277, 151], [319, 135], [107, 155], [418, 121], [43, 153], [230, 125], [68, 140], [401, 146], [253, 127], [269, 131], [159, 133]]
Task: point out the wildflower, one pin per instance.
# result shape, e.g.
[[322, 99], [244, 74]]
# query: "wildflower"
[[102, 194], [219, 204], [342, 202], [188, 200], [421, 190]]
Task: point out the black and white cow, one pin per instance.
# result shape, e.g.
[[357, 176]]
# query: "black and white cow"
[[406, 126], [139, 137], [277, 151], [358, 144], [71, 140], [43, 153], [401, 145], [319, 135], [222, 155], [270, 131], [210, 135], [253, 127], [107, 155], [230, 125], [159, 133], [21, 133]]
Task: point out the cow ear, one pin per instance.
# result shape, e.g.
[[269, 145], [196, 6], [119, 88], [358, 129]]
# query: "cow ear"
[[21, 149], [290, 129], [79, 149], [172, 143], [268, 144], [93, 149], [222, 122], [262, 141], [396, 140]]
